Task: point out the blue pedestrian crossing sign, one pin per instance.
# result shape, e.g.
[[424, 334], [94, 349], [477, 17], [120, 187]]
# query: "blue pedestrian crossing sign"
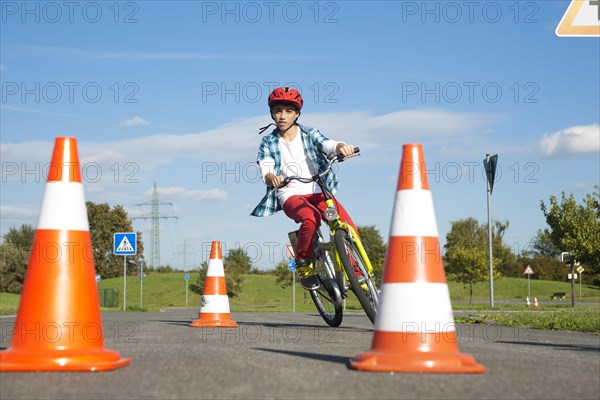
[[125, 243]]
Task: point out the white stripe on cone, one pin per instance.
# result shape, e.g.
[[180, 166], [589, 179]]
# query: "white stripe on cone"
[[414, 214], [212, 303], [215, 267], [63, 207], [414, 307]]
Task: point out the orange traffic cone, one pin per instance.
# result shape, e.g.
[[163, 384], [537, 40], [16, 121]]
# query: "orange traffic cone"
[[58, 326], [414, 326], [527, 302], [535, 302], [214, 310]]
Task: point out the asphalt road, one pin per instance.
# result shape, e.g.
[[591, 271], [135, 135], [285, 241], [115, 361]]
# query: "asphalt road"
[[296, 356]]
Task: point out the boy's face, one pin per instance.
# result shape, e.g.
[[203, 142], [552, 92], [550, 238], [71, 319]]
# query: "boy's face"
[[284, 115]]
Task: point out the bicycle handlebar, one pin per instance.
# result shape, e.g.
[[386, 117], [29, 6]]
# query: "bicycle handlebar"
[[332, 160]]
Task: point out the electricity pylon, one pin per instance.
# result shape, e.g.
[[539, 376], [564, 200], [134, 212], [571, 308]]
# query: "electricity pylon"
[[154, 217]]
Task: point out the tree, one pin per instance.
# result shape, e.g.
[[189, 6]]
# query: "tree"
[[467, 265], [576, 227], [233, 280], [283, 274], [375, 248], [21, 237], [542, 245], [238, 260], [466, 252], [104, 222], [544, 267], [14, 256], [13, 266]]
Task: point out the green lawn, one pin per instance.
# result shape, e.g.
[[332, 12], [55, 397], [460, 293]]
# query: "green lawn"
[[516, 289], [261, 294], [9, 303]]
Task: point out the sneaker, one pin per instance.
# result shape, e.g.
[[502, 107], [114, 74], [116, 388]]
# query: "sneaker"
[[308, 279], [363, 283]]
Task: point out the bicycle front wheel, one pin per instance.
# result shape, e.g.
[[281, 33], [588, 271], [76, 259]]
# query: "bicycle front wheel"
[[327, 298], [361, 282]]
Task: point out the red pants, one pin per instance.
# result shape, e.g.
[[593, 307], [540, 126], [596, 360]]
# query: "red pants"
[[307, 210]]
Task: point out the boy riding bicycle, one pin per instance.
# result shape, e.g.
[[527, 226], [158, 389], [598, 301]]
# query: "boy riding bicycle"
[[292, 149]]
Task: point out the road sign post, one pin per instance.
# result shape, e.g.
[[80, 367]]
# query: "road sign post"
[[142, 262], [292, 267], [489, 164], [580, 269], [124, 244], [187, 281], [528, 271]]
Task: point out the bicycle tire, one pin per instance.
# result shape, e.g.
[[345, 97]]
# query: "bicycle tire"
[[327, 298], [367, 299]]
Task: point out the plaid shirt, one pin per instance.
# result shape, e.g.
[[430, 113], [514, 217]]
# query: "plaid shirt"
[[312, 141]]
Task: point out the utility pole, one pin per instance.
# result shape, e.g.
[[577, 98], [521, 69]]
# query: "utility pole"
[[154, 217]]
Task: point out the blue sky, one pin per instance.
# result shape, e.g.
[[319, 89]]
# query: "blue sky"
[[174, 93]]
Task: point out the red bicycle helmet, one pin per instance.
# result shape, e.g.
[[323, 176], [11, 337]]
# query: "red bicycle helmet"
[[286, 95]]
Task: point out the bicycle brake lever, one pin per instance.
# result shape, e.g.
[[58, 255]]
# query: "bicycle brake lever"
[[284, 183]]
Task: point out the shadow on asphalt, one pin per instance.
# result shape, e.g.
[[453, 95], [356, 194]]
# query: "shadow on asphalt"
[[173, 322], [307, 326], [561, 346], [314, 356], [270, 325]]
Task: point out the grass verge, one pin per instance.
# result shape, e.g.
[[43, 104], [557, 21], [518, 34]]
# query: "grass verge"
[[587, 321], [261, 294]]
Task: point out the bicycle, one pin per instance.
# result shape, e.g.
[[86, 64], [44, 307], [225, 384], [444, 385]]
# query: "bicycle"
[[327, 297], [349, 262]]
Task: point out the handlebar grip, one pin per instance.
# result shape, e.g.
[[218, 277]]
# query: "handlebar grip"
[[284, 183], [341, 158]]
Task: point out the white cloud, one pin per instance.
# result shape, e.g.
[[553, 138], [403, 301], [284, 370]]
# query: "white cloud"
[[571, 141], [181, 192], [135, 121], [238, 141], [584, 185], [399, 125], [113, 55], [17, 213], [35, 111]]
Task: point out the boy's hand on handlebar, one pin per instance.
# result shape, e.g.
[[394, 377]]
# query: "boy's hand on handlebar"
[[274, 181], [346, 150]]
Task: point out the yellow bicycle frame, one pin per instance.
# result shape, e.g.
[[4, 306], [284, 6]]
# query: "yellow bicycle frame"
[[353, 236]]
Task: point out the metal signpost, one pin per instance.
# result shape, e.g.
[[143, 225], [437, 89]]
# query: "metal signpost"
[[124, 244], [528, 271], [489, 164], [292, 267], [566, 258], [580, 269], [187, 281], [142, 262]]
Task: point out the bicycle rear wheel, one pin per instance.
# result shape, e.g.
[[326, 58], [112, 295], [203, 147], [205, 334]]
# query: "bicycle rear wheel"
[[327, 298], [362, 285]]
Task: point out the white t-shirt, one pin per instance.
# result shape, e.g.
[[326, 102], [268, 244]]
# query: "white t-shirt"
[[295, 162]]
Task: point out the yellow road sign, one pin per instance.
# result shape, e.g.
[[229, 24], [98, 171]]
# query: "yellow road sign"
[[582, 18]]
